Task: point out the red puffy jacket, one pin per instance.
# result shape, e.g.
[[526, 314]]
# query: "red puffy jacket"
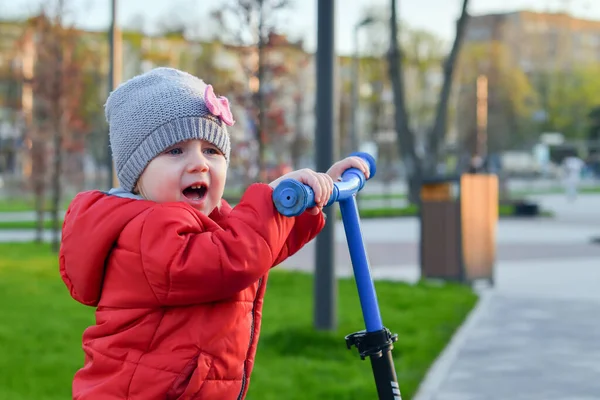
[[178, 294]]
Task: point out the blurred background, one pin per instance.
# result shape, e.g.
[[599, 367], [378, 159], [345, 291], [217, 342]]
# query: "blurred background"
[[517, 97]]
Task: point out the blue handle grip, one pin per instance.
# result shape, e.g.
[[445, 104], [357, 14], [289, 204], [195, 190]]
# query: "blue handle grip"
[[292, 198]]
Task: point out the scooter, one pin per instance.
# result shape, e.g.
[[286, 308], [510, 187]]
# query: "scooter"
[[292, 198]]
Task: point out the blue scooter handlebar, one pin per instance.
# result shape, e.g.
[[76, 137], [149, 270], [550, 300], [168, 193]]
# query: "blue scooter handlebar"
[[292, 198], [376, 342]]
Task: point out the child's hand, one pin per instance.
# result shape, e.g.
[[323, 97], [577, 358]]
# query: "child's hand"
[[337, 169], [320, 183]]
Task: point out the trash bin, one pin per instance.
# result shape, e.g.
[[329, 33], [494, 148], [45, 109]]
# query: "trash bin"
[[458, 218]]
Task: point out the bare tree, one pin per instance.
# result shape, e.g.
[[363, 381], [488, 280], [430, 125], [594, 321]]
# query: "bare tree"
[[32, 136], [57, 88], [416, 167], [250, 23]]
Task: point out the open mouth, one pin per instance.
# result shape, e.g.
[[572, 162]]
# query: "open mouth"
[[195, 192]]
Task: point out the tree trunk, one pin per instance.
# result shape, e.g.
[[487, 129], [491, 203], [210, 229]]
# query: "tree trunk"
[[406, 141], [38, 169], [417, 168], [441, 117], [58, 113], [261, 119], [56, 191], [297, 144], [56, 186]]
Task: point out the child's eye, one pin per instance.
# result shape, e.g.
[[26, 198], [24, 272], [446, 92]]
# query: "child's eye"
[[174, 151], [212, 150]]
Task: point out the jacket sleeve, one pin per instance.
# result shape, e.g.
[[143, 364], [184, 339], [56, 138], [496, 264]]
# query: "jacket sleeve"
[[306, 227], [186, 263]]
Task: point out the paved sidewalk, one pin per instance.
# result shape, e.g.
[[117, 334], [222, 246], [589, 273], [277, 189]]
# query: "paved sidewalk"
[[535, 336]]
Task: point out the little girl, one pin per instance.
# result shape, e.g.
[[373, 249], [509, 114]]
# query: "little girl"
[[177, 276]]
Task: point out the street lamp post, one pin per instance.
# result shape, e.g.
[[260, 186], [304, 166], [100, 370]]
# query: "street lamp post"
[[325, 281]]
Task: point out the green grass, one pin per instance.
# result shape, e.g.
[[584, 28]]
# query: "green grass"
[[583, 190], [27, 224], [382, 196], [40, 334], [413, 211], [41, 327], [26, 204], [389, 212], [514, 193]]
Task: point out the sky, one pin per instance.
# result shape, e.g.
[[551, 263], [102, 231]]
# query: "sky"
[[437, 16]]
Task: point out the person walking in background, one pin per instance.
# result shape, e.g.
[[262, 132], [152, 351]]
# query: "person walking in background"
[[572, 167]]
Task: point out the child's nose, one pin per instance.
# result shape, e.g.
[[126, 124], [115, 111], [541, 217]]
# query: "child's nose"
[[197, 162]]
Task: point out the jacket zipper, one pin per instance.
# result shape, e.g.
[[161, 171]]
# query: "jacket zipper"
[[251, 339]]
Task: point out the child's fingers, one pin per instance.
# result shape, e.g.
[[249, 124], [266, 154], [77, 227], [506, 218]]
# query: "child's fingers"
[[319, 199], [327, 186], [323, 190], [311, 179], [313, 210], [357, 162], [360, 164]]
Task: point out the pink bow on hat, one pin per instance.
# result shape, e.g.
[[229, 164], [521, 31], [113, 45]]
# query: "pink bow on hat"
[[218, 106]]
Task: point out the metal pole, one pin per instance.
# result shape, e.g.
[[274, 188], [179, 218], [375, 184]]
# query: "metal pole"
[[111, 83], [325, 283]]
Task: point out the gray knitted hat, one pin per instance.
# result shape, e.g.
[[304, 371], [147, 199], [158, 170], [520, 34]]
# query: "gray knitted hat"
[[153, 111]]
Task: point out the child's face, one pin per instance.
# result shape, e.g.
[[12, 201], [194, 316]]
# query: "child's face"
[[193, 172]]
